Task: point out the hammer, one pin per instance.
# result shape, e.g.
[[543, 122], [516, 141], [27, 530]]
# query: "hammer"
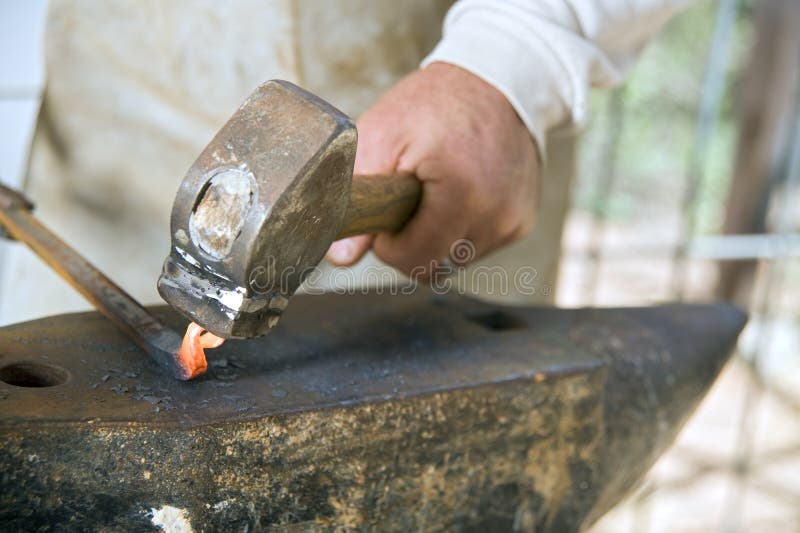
[[260, 206]]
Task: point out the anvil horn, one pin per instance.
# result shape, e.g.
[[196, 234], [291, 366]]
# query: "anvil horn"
[[360, 411]]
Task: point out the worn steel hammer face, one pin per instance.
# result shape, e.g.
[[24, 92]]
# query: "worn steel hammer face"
[[258, 209]]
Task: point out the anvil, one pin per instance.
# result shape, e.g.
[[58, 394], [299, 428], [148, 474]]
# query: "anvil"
[[363, 411]]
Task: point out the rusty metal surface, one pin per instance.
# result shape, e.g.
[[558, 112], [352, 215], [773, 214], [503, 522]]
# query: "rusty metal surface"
[[363, 411]]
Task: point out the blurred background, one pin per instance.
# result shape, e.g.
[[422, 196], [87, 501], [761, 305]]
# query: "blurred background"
[[687, 187]]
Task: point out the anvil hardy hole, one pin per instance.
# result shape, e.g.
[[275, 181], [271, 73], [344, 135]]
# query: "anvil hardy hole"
[[496, 320], [33, 375]]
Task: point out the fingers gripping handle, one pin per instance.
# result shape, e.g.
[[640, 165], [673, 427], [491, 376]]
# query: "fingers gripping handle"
[[380, 203]]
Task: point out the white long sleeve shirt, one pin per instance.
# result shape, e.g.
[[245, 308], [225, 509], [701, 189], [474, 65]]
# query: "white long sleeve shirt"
[[545, 55], [136, 89]]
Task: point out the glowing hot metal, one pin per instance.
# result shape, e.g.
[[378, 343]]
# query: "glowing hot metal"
[[191, 355]]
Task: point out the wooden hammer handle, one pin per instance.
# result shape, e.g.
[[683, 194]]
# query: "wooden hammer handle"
[[380, 203]]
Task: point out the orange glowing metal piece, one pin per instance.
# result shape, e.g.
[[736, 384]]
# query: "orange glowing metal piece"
[[191, 355]]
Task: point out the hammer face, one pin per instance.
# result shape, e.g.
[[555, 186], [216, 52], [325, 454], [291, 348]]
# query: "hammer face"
[[257, 210]]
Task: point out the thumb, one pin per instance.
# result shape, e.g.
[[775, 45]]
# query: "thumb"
[[346, 252]]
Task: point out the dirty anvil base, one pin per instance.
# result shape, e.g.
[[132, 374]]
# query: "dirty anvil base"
[[361, 411]]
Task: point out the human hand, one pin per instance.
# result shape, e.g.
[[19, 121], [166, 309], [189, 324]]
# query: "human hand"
[[475, 158]]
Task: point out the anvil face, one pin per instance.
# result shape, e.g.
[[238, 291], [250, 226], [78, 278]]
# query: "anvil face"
[[365, 401], [258, 210]]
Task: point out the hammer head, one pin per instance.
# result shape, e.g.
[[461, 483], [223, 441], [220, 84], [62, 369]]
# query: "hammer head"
[[257, 211]]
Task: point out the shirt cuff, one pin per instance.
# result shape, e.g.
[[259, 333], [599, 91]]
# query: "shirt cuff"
[[515, 58]]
